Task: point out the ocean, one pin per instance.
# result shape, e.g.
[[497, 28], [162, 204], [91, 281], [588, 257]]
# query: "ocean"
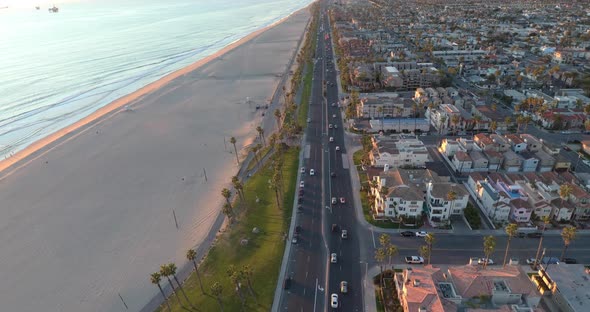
[[56, 68]]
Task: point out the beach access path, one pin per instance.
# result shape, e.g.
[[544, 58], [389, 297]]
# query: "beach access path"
[[86, 216]]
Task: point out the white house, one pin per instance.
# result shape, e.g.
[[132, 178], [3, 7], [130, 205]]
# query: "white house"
[[399, 152], [438, 205], [462, 162]]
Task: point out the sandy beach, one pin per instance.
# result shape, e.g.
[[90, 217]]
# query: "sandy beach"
[[87, 212]]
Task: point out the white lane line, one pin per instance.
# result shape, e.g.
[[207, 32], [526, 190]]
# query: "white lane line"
[[373, 237]]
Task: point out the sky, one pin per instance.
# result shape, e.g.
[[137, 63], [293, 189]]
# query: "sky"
[[30, 3]]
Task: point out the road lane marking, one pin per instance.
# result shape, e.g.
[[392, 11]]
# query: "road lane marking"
[[373, 237]]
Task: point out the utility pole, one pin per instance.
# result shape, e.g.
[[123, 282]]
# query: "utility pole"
[[175, 221], [205, 174]]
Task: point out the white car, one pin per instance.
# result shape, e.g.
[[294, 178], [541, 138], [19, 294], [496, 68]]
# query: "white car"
[[337, 148], [530, 261], [344, 234], [333, 258], [342, 200], [335, 126], [331, 139], [344, 287], [301, 184], [334, 301], [483, 260], [414, 260], [308, 120], [421, 233], [311, 172], [586, 162], [330, 126], [333, 115], [333, 200], [302, 169]]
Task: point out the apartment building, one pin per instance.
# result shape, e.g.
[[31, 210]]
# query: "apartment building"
[[396, 152], [439, 207], [564, 287]]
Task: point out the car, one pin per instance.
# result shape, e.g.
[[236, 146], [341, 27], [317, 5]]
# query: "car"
[[530, 261], [342, 200], [337, 148], [330, 126], [331, 139], [301, 184], [333, 115], [521, 234], [414, 260], [344, 234], [299, 208], [535, 235], [334, 301], [335, 126], [567, 148], [421, 233], [311, 172], [300, 191], [483, 260], [333, 200], [298, 229], [300, 199], [295, 239], [569, 260], [586, 162], [334, 227], [344, 287], [408, 234], [308, 120], [332, 174], [287, 282], [302, 169], [333, 258], [333, 104]]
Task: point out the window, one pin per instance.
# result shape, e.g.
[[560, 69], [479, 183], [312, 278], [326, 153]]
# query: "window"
[[413, 203], [413, 210]]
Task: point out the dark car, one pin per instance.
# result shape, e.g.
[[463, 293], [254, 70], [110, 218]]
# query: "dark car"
[[333, 174], [334, 227], [287, 283], [567, 148], [569, 260], [407, 234], [300, 200], [300, 192], [535, 235], [520, 234], [298, 229]]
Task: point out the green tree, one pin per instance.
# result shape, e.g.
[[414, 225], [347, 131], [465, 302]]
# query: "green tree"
[[216, 291], [493, 126], [247, 273], [565, 190], [233, 141], [238, 186], [424, 252], [227, 195], [546, 221], [380, 255], [261, 134], [489, 246], [236, 278], [227, 211], [155, 279], [191, 255], [511, 230], [568, 234], [430, 240], [172, 269]]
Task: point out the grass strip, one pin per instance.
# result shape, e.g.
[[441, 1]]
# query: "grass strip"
[[263, 252]]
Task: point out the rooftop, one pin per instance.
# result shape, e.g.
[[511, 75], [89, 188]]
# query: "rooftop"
[[573, 283]]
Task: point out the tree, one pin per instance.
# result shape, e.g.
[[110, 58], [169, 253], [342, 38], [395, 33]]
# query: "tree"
[[389, 249], [451, 197], [155, 278], [545, 222], [489, 245], [247, 273], [511, 230], [226, 194], [493, 126], [191, 255], [238, 186], [165, 271], [236, 278], [172, 270], [261, 134], [380, 258], [508, 121], [429, 239], [565, 190], [278, 118], [424, 252], [455, 121], [568, 234], [255, 150], [477, 120], [233, 141], [217, 290]]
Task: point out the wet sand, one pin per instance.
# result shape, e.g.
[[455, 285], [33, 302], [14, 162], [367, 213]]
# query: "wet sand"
[[87, 213]]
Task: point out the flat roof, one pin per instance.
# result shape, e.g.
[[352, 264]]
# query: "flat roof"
[[573, 283]]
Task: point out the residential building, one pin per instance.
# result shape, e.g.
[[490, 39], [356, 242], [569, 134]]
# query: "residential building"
[[400, 125], [398, 151], [462, 162], [512, 162], [385, 104], [517, 144], [440, 208], [564, 287]]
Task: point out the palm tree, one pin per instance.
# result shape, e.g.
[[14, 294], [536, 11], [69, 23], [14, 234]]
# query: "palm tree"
[[226, 194], [380, 258], [155, 278], [227, 211], [254, 149], [565, 190], [391, 250], [275, 186], [233, 141], [261, 134], [568, 234], [451, 197], [238, 186], [236, 279], [216, 290], [191, 255], [455, 121], [165, 271], [424, 252], [477, 120], [489, 245], [545, 222], [172, 269], [508, 121], [493, 126], [278, 118], [247, 273], [511, 230], [429, 239]]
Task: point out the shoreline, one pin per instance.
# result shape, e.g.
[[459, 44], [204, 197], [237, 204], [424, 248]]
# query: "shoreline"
[[54, 139]]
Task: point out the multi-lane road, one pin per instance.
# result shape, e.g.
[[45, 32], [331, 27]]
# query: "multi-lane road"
[[314, 277]]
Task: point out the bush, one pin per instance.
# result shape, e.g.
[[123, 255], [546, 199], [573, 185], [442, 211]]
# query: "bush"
[[472, 217]]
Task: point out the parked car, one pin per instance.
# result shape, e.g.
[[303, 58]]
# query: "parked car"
[[295, 239], [421, 233], [334, 301], [333, 174], [311, 172], [333, 258], [414, 260], [344, 234], [342, 200], [483, 261], [331, 139], [337, 148], [330, 126], [301, 184], [300, 191], [298, 229], [569, 260], [520, 234], [334, 227], [334, 201], [344, 287], [287, 282], [302, 169], [535, 235], [407, 234]]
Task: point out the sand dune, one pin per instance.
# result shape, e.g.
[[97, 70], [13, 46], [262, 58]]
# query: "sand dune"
[[86, 214]]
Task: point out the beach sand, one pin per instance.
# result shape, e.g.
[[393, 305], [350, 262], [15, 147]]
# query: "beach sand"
[[87, 213]]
